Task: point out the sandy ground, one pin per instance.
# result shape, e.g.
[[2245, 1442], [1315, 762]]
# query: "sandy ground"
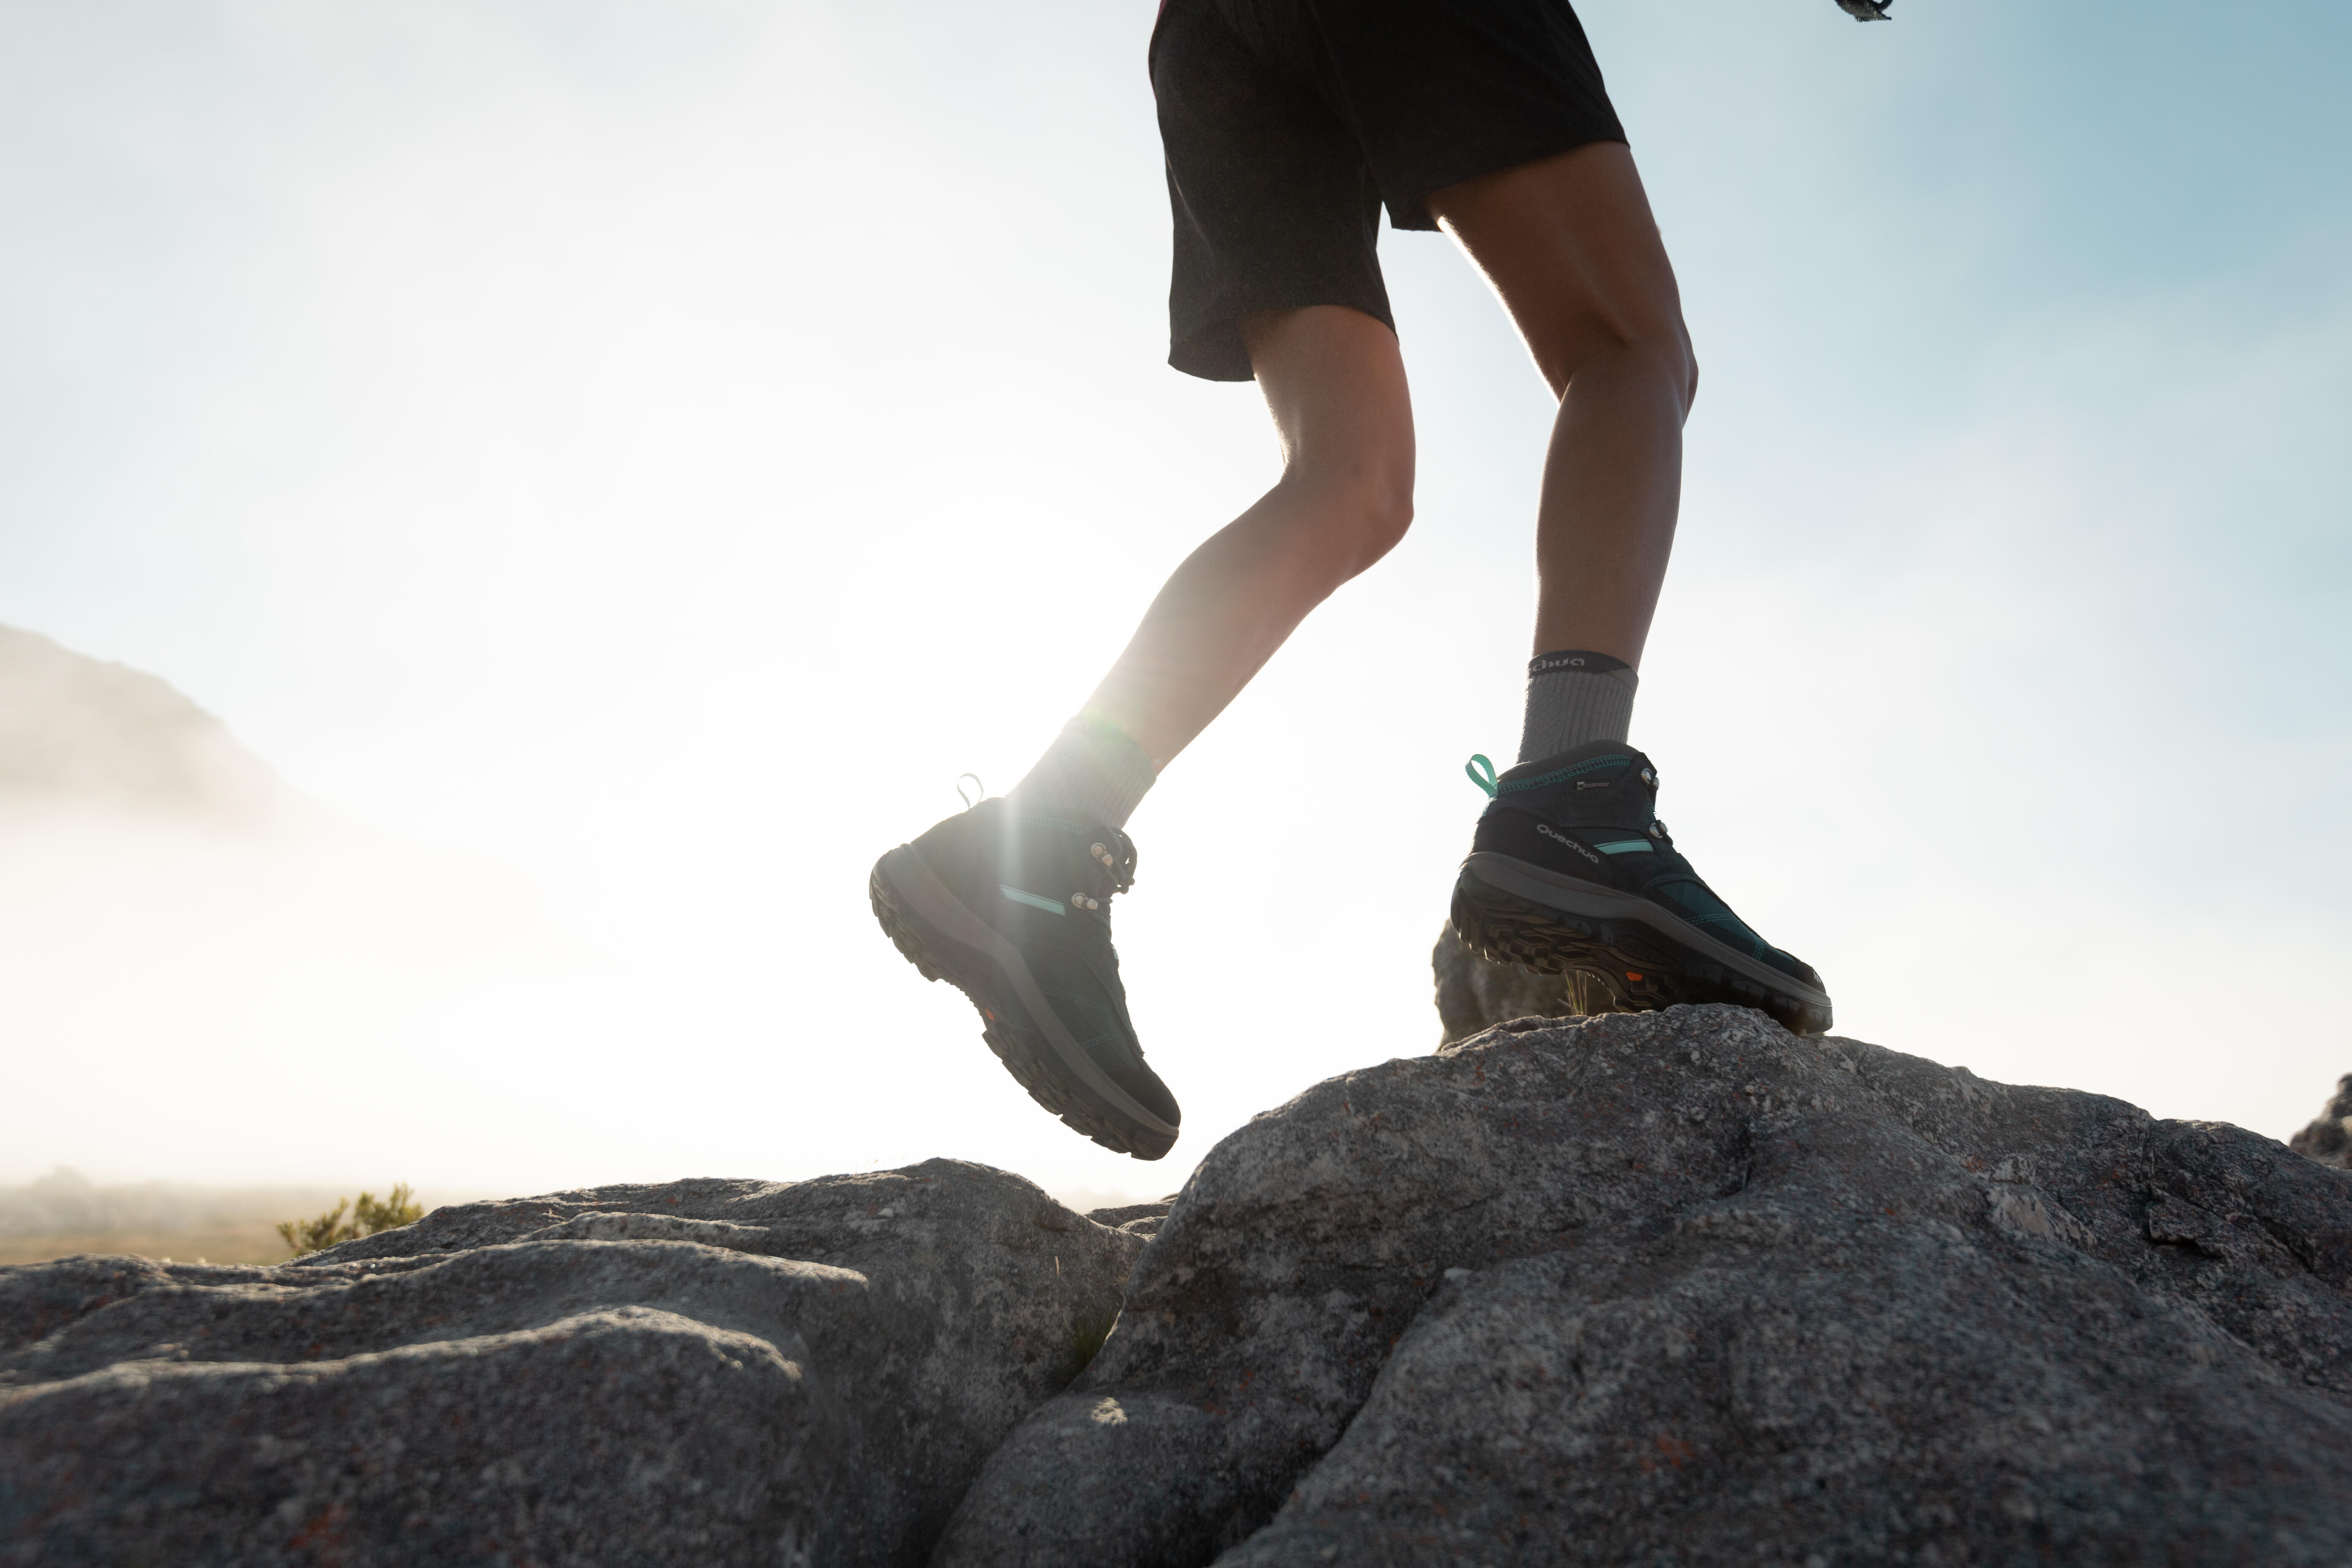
[[223, 1239], [253, 1242]]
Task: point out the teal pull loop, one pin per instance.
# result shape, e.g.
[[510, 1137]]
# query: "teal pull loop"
[[978, 788], [1486, 780]]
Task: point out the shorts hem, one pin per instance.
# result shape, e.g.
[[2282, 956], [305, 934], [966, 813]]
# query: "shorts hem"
[[1214, 351], [1412, 212]]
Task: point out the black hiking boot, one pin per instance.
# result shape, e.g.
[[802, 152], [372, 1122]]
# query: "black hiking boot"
[[1572, 872], [1012, 907]]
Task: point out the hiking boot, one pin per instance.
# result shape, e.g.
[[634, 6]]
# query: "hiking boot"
[[1572, 872], [1012, 907]]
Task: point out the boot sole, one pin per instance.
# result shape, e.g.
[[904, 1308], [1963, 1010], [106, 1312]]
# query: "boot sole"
[[934, 932], [1639, 951]]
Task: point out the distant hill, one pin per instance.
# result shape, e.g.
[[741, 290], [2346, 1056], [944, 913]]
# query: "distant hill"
[[87, 733]]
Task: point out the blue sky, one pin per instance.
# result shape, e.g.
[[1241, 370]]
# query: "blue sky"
[[661, 446]]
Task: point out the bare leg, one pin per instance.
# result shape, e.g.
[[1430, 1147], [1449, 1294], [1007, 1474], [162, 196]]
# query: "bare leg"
[[1570, 247], [1335, 384]]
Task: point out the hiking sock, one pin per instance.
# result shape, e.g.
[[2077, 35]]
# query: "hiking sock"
[[1575, 697], [1092, 769]]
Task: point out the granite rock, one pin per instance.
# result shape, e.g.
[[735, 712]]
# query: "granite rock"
[[1681, 1287], [1136, 1219], [706, 1372], [2329, 1139], [1474, 992], [1665, 1288]]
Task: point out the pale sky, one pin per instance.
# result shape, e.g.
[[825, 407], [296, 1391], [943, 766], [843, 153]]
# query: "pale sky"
[[659, 446]]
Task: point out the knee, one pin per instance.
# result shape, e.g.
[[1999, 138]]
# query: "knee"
[[1383, 514], [1658, 352], [1689, 369], [1358, 516], [1375, 513]]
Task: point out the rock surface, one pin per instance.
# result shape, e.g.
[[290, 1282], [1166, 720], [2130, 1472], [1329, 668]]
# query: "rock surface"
[[709, 1372], [2329, 1139], [1666, 1287], [1474, 994], [1682, 1287], [1136, 1219]]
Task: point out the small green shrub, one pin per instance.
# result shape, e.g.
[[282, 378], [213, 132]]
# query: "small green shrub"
[[367, 1217]]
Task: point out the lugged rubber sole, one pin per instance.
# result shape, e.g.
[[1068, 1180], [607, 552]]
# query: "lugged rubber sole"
[[1641, 967], [1008, 1023]]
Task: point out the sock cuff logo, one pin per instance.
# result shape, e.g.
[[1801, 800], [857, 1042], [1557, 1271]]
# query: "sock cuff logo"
[[1575, 659]]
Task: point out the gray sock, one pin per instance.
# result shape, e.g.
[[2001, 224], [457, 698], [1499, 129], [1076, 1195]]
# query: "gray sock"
[[1092, 769], [1575, 697]]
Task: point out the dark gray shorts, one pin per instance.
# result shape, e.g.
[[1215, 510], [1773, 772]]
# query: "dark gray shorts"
[[1288, 123]]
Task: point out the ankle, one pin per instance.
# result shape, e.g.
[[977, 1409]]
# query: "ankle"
[[1576, 696], [1093, 769]]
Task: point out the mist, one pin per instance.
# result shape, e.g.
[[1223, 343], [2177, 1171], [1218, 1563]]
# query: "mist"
[[613, 470]]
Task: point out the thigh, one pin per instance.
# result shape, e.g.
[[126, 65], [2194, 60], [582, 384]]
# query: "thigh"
[[1272, 206], [1569, 244]]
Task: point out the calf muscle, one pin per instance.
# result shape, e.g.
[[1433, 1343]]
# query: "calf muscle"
[[1335, 384], [1570, 247]]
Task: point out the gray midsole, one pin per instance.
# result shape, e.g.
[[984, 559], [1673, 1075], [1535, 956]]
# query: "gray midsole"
[[1575, 896], [921, 893]]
